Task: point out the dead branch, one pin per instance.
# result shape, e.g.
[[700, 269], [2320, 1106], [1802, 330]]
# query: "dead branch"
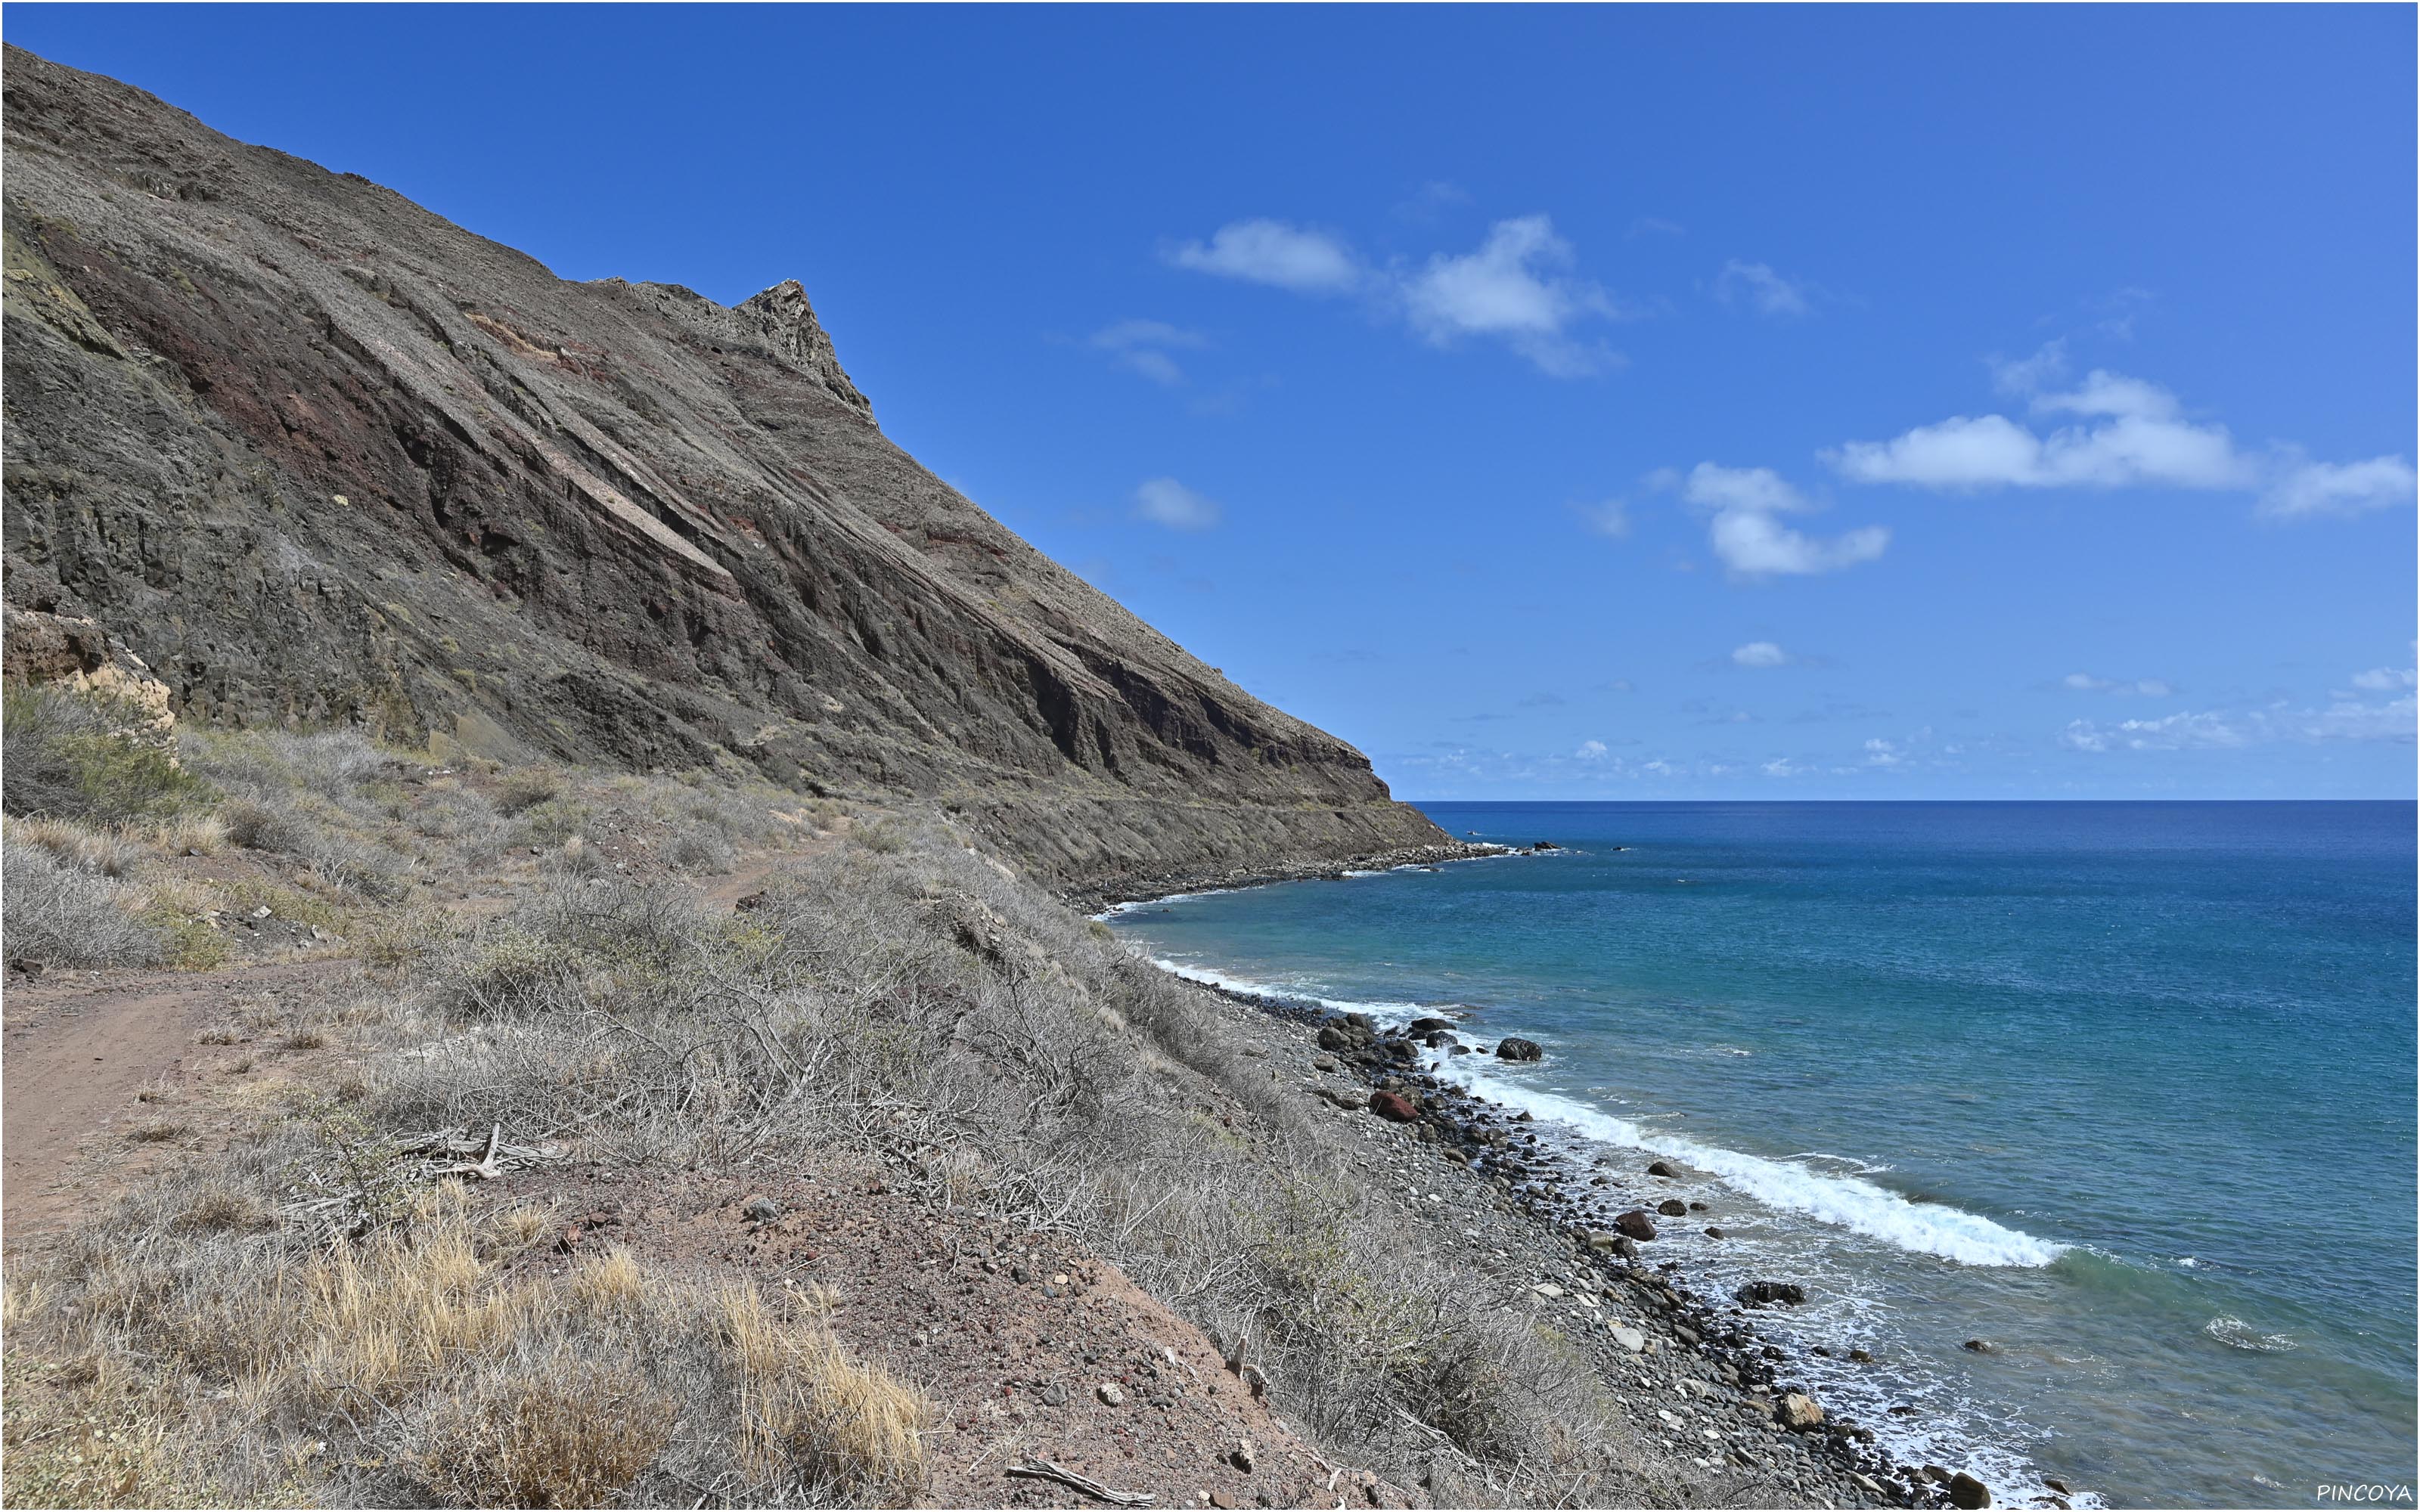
[[1044, 1470]]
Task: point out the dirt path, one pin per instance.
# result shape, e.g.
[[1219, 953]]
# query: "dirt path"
[[77, 1054]]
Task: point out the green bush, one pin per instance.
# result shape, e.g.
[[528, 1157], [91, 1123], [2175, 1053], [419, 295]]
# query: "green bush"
[[67, 756]]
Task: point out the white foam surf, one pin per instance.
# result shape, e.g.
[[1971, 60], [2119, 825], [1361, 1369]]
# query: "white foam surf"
[[1388, 1013], [1846, 1199], [1131, 905], [1843, 1198], [2238, 1334]]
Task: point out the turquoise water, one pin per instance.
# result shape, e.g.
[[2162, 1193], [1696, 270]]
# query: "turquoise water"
[[2125, 1090]]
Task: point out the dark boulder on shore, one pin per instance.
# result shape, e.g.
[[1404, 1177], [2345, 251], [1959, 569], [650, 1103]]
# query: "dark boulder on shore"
[[1660, 1168], [1672, 1207], [1545, 845], [1968, 1492], [1354, 1031], [1517, 1049], [1430, 1024], [1636, 1224], [1757, 1294], [1394, 1107]]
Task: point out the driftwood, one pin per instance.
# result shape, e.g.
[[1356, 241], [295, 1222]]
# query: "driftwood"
[[495, 1156], [419, 1157], [1044, 1470]]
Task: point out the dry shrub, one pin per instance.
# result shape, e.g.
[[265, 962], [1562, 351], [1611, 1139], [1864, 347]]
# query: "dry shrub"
[[263, 826], [881, 837], [218, 1208], [192, 834], [399, 936], [812, 1423], [703, 850], [576, 861], [553, 1432], [114, 852], [60, 916], [526, 787], [507, 971]]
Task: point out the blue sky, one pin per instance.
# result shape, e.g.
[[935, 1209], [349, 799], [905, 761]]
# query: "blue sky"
[[1625, 403]]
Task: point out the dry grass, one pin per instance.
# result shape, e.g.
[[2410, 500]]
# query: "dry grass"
[[546, 1433], [814, 1425], [418, 1367], [113, 851], [910, 999], [897, 996]]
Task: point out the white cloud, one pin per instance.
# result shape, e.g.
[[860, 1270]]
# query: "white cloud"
[[1752, 543], [1611, 517], [1879, 753], [1273, 253], [2150, 688], [1749, 488], [2112, 393], [1780, 767], [1127, 334], [2385, 679], [1512, 289], [2340, 488], [2030, 375], [1759, 286], [1431, 200], [1754, 546], [1590, 750], [1167, 501], [1516, 287], [1141, 347], [2222, 730], [2129, 433], [1761, 654], [2127, 448]]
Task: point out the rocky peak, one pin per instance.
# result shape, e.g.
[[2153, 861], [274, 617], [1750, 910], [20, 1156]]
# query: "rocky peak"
[[785, 320]]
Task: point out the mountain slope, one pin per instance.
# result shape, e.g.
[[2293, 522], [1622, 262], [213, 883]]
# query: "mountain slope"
[[316, 455]]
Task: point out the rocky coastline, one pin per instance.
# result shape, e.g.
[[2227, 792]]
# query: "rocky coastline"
[[1574, 1241], [1092, 898]]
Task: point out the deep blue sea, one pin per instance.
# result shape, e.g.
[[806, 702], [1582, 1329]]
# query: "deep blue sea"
[[2126, 1090]]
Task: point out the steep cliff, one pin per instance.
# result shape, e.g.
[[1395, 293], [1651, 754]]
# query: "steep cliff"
[[316, 455]]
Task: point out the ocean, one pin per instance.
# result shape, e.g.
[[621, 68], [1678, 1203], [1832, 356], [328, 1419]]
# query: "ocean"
[[2123, 1091]]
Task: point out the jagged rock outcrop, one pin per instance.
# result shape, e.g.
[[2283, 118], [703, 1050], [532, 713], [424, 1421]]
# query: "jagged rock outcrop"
[[316, 455]]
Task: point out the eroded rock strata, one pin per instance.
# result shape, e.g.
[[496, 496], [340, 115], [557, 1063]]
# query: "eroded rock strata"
[[316, 455]]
